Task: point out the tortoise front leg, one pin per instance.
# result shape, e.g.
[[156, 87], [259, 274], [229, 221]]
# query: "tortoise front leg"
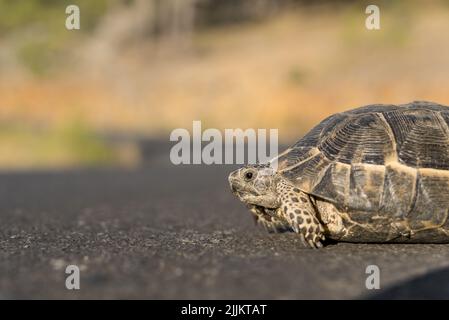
[[298, 210], [271, 222]]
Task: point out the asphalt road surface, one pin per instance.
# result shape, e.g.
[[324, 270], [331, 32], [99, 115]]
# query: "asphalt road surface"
[[164, 231]]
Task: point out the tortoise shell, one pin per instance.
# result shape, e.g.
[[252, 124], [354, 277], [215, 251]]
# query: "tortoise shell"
[[384, 160]]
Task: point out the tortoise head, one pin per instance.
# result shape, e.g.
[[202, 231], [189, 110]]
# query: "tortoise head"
[[255, 185]]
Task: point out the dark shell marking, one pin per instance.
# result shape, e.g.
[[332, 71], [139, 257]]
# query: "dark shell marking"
[[379, 164]]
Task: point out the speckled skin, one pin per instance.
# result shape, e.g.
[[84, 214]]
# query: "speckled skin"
[[378, 173]]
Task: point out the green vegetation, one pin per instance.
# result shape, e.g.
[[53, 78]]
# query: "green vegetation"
[[38, 29], [47, 14], [35, 56], [71, 144], [296, 75], [144, 67]]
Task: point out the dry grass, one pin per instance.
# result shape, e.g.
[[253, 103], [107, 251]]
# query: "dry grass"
[[287, 73]]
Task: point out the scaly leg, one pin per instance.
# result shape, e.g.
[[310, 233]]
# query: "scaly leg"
[[297, 209], [270, 221]]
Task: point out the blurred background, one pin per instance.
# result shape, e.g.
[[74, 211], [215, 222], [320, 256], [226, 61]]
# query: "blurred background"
[[137, 69]]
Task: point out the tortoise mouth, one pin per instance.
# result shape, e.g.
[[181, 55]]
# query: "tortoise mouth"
[[236, 191], [235, 187], [263, 210], [240, 192]]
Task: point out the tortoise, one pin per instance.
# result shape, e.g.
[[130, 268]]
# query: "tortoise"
[[378, 173]]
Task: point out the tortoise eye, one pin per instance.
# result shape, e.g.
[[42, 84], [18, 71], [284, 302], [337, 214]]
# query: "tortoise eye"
[[249, 175]]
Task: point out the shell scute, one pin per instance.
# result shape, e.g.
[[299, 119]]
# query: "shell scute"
[[367, 160], [362, 139], [421, 137]]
